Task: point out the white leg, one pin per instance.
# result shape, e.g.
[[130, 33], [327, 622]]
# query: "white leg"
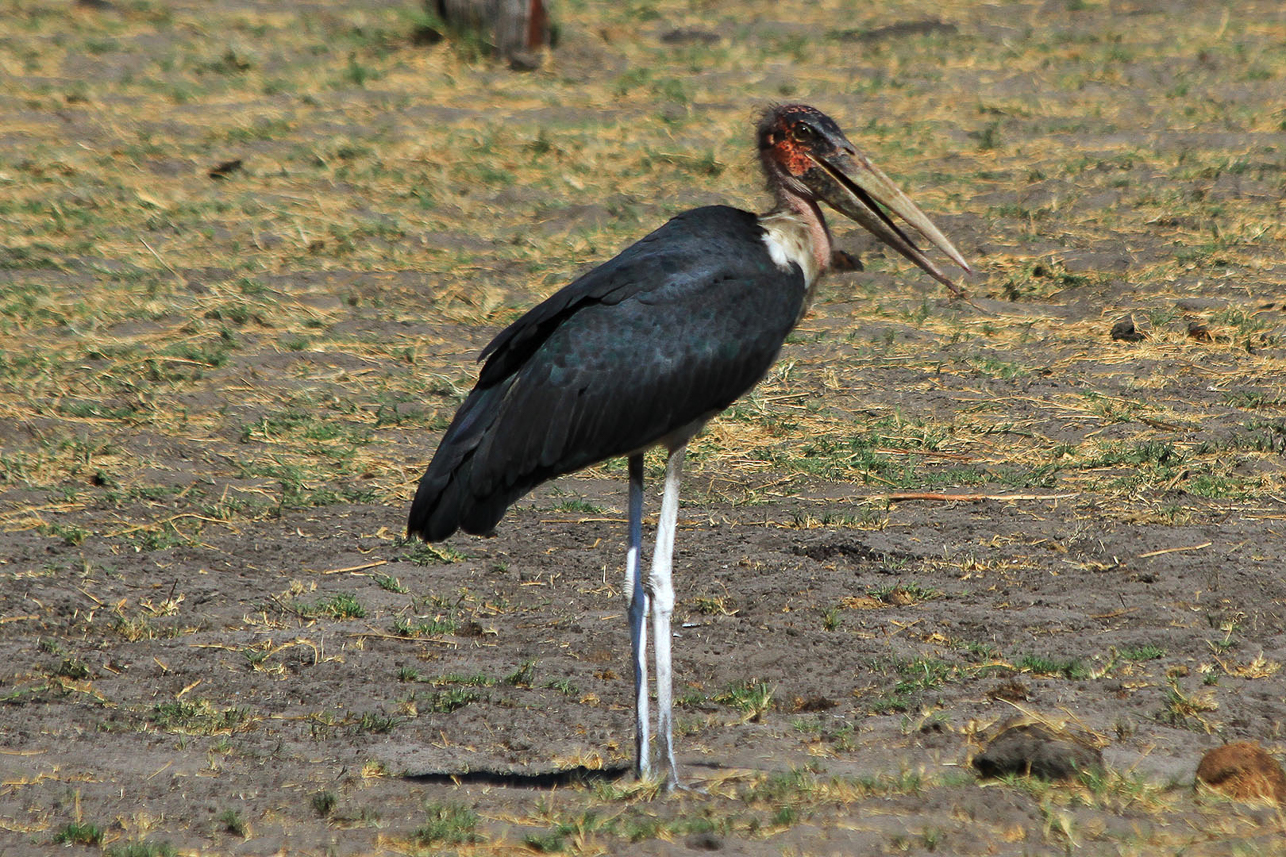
[[660, 587], [637, 600]]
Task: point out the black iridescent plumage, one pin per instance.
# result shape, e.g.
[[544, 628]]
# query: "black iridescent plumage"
[[668, 333]]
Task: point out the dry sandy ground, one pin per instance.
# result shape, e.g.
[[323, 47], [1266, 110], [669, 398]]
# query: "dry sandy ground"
[[217, 395]]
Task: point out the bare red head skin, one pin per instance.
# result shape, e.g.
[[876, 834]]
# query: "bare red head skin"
[[808, 160]]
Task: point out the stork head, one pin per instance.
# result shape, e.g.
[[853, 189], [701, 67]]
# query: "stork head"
[[808, 159]]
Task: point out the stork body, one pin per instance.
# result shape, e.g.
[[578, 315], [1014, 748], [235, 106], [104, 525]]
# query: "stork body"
[[644, 349]]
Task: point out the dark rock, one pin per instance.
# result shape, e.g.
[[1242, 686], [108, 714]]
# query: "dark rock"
[[1029, 748], [1124, 331], [842, 261]]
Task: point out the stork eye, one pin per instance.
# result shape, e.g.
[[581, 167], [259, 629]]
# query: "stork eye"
[[805, 133]]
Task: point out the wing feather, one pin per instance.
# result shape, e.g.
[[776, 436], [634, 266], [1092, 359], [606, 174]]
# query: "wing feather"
[[665, 335]]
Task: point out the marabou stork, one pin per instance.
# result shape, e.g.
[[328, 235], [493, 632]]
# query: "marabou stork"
[[644, 349]]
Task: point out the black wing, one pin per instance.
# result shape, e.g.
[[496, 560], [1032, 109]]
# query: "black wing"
[[667, 334]]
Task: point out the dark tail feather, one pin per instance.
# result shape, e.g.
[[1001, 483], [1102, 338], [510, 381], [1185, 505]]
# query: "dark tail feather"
[[440, 499], [445, 500]]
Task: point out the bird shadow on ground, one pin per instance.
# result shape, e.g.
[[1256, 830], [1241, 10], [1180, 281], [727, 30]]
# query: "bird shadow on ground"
[[577, 776]]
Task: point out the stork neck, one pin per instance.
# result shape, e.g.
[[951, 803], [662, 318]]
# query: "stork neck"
[[797, 232]]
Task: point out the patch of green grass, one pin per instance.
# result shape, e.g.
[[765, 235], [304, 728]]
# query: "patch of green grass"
[[341, 605], [323, 803], [783, 788], [637, 828], [159, 538], [73, 668], [924, 674], [447, 824], [977, 651], [1070, 668], [470, 680], [903, 593], [200, 717], [998, 368], [523, 676], [1150, 453], [578, 506], [916, 677], [1252, 399], [1255, 435], [69, 533], [1217, 486], [357, 73], [232, 822], [376, 723], [832, 458], [450, 699], [212, 354], [549, 842], [751, 697], [1145, 652], [79, 833], [278, 425], [578, 827], [298, 491], [563, 686], [389, 583]]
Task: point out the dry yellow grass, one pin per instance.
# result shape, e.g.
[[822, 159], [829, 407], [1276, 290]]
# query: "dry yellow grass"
[[183, 357]]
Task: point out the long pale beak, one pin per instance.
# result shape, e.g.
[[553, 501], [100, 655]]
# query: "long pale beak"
[[859, 189]]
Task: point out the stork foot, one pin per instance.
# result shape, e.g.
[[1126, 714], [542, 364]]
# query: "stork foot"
[[674, 786]]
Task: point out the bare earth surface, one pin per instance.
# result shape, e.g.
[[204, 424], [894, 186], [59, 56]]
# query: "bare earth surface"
[[217, 391]]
